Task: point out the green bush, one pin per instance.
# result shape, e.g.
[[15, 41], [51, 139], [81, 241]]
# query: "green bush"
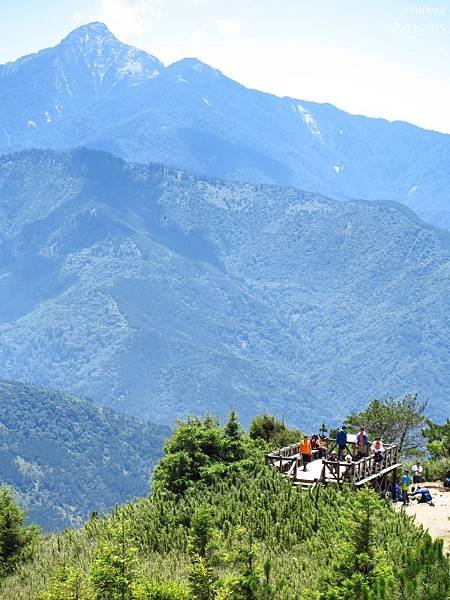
[[68, 583], [273, 432], [437, 469], [246, 534], [165, 590]]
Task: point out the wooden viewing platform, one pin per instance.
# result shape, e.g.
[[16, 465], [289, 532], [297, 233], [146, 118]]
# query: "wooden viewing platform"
[[321, 470]]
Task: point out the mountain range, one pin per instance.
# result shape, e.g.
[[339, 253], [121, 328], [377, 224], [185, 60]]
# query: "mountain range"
[[95, 91], [162, 294], [67, 458]]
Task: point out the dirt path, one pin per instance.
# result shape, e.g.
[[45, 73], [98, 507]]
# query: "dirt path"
[[434, 518]]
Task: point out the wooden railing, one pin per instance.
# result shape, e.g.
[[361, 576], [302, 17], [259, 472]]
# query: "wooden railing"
[[288, 460], [362, 470]]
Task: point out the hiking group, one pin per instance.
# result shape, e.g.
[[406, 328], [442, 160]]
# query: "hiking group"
[[419, 493], [319, 445]]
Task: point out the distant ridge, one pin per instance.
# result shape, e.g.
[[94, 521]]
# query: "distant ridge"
[[162, 294], [95, 91], [67, 458]]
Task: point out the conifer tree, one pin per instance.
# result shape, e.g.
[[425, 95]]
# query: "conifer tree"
[[113, 567], [201, 578], [247, 584], [68, 583], [200, 532], [201, 575], [234, 444], [16, 540]]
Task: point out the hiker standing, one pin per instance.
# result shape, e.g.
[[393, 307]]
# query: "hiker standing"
[[341, 441], [417, 471], [362, 443], [404, 484], [305, 451]]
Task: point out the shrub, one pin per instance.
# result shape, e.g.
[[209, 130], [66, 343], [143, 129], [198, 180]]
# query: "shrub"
[[165, 590], [437, 469]]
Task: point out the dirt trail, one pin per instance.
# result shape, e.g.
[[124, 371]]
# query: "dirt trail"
[[434, 518]]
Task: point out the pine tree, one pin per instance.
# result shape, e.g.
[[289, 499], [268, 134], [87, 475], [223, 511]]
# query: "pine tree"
[[200, 532], [68, 583], [247, 583], [113, 567], [16, 541], [201, 579], [234, 444], [355, 576]]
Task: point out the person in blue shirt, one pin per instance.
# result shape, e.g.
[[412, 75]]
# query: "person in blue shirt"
[[446, 480], [405, 482], [395, 491], [425, 496], [341, 441]]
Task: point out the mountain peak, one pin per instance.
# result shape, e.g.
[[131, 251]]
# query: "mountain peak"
[[188, 66], [106, 59], [90, 31]]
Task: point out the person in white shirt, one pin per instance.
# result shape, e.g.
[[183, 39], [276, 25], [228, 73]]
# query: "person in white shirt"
[[417, 471], [378, 450]]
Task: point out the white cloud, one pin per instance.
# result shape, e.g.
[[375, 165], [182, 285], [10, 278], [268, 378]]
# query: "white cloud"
[[198, 34], [125, 19], [229, 26]]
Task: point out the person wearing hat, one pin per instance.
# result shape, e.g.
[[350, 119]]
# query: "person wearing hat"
[[405, 482], [341, 441], [348, 470], [333, 457]]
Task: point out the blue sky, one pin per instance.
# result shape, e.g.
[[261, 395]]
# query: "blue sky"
[[386, 58]]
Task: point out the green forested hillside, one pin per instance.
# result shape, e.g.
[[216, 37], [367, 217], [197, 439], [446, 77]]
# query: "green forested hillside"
[[221, 526], [67, 457], [164, 295]]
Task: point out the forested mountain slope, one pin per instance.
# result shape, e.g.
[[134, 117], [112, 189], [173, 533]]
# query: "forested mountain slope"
[[93, 90], [67, 458], [163, 294], [237, 530]]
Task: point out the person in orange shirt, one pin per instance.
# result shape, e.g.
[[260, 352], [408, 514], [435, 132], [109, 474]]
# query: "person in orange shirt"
[[305, 451]]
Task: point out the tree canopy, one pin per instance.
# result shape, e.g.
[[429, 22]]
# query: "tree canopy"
[[16, 540], [237, 531], [396, 421], [273, 431]]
